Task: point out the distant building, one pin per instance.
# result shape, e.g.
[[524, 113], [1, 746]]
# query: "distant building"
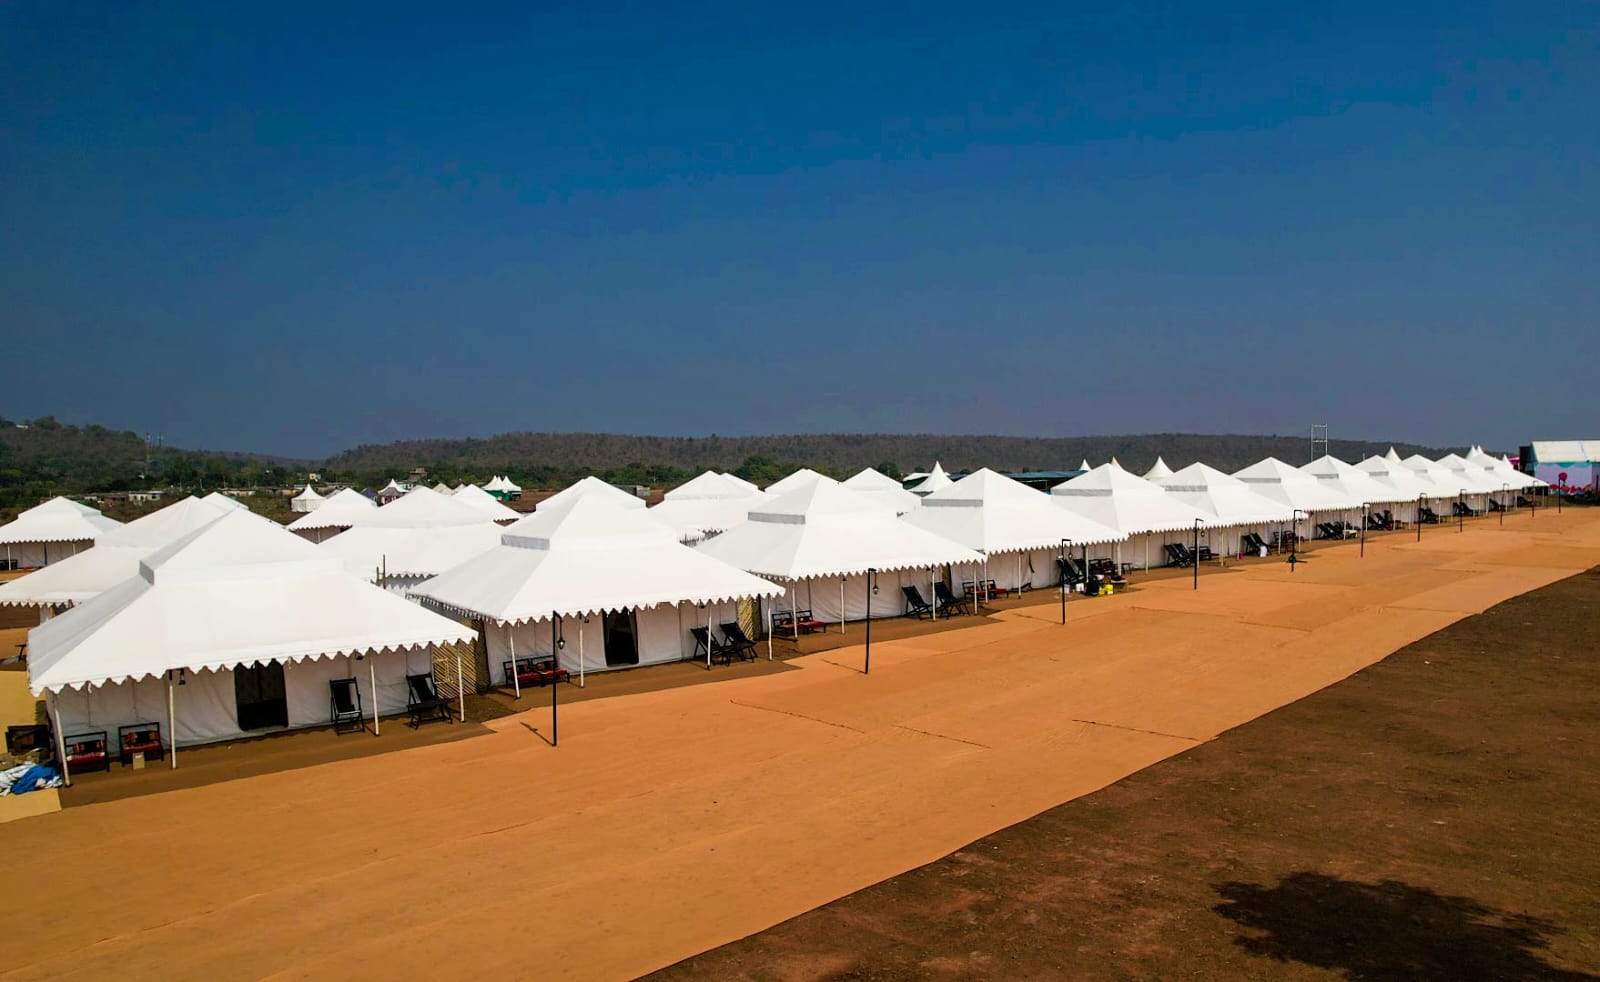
[[1569, 463]]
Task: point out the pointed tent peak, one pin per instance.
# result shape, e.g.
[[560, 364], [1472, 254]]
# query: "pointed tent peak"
[[1084, 466], [508, 485], [1114, 461], [66, 506], [1392, 457], [937, 480], [591, 487], [1198, 475], [1270, 469], [985, 487], [1106, 479], [392, 486], [802, 478], [309, 494], [710, 486], [238, 545], [588, 522], [493, 484], [418, 508], [484, 503], [818, 500], [444, 488], [870, 479], [1158, 470]]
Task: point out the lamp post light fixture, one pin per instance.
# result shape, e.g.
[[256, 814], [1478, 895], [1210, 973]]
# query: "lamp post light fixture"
[[1064, 544], [1461, 509], [1194, 560], [555, 683], [1419, 517], [872, 589]]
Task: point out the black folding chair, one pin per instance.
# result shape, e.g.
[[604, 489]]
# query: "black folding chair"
[[915, 605], [344, 705], [738, 642], [949, 601], [423, 701], [704, 643]]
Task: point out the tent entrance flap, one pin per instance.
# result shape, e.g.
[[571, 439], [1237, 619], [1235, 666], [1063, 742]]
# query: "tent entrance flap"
[[260, 694], [621, 638]]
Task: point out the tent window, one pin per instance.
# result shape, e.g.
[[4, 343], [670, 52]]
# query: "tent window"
[[622, 646]]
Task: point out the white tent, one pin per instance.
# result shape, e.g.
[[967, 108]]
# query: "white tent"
[[821, 540], [1228, 501], [54, 530], [224, 501], [1159, 470], [805, 477], [1353, 483], [495, 483], [589, 559], [1499, 471], [236, 595], [1469, 476], [747, 485], [339, 510], [884, 489], [390, 491], [306, 501], [399, 558], [706, 505], [1084, 466], [116, 555], [1291, 486], [1133, 506], [1441, 485], [509, 486], [419, 508], [1407, 486], [937, 480], [996, 516], [482, 501], [443, 488], [591, 487]]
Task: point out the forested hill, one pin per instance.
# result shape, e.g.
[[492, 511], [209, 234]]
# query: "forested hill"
[[549, 459]]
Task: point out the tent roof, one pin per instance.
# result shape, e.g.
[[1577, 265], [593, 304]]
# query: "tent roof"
[[309, 494], [591, 487], [1352, 482], [1499, 469], [392, 486], [802, 478], [443, 488], [828, 530], [1159, 470], [883, 489], [1468, 474], [1406, 484], [1566, 451], [237, 591], [1438, 481], [417, 508], [57, 520], [869, 479], [712, 486], [114, 558], [992, 514], [485, 503], [751, 487], [339, 510], [586, 556], [1289, 485], [409, 552], [1125, 502], [1228, 500]]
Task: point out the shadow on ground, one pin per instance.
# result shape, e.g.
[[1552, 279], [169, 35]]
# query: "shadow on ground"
[[1387, 930]]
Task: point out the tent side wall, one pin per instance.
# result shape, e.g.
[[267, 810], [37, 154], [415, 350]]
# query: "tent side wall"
[[35, 555]]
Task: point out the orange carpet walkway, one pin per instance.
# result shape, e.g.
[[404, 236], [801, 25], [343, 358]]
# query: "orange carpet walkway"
[[670, 822]]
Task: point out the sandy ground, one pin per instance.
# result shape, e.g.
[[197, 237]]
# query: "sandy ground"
[[671, 822], [1435, 816]]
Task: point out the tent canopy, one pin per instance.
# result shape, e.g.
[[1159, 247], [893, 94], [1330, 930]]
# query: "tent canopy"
[[482, 501], [417, 508], [1159, 469], [828, 530], [883, 489], [1289, 485], [1228, 500], [410, 552], [1125, 502], [591, 487], [237, 591], [116, 555], [992, 514], [937, 480], [584, 557], [1353, 483], [1467, 474], [339, 510], [1440, 483], [57, 520], [712, 486], [805, 477]]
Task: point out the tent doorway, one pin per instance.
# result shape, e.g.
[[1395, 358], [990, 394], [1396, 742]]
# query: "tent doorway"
[[622, 645], [263, 701]]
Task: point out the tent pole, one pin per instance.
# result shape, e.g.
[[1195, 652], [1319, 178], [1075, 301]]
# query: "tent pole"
[[933, 593], [708, 637], [511, 652], [172, 725], [841, 606], [461, 686], [581, 622], [767, 606], [372, 673], [61, 739], [794, 614]]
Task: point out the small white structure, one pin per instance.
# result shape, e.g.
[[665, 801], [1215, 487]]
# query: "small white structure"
[[707, 505], [443, 488], [632, 591], [391, 491], [937, 480], [1018, 530], [821, 540], [1133, 506], [116, 555], [54, 530], [237, 627], [884, 489], [337, 512], [306, 501], [1159, 470], [591, 487]]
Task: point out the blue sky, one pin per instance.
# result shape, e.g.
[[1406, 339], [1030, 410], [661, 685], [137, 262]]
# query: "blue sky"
[[290, 229]]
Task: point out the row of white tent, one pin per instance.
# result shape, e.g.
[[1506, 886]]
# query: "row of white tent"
[[201, 589]]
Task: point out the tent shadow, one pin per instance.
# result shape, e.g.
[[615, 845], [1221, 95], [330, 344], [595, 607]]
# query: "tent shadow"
[[1387, 930]]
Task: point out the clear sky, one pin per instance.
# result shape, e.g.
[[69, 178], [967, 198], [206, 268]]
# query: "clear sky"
[[297, 227]]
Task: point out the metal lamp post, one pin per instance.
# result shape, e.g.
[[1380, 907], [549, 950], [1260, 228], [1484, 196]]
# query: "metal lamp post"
[[1294, 530], [555, 683], [872, 589], [1366, 512], [1419, 517], [1064, 544], [1461, 509], [1195, 559], [1505, 493]]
